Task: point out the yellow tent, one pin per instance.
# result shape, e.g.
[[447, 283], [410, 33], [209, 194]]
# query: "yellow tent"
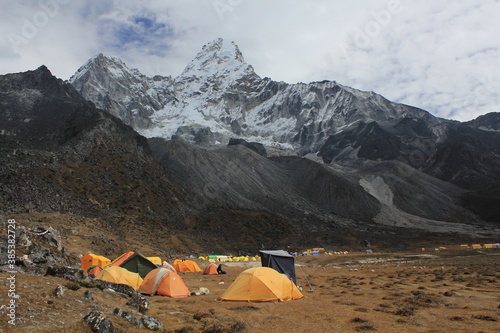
[[261, 284], [155, 260], [93, 259], [117, 274]]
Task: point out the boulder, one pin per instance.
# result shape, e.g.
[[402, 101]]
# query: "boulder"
[[99, 323], [88, 296], [59, 291], [139, 302], [152, 323]]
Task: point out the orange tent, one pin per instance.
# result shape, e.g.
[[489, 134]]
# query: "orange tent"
[[118, 261], [210, 270], [93, 259], [186, 266], [261, 284], [162, 281], [120, 275]]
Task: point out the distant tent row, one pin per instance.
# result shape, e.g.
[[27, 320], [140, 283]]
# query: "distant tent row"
[[136, 263]]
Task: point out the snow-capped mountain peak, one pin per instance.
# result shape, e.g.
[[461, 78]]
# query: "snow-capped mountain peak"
[[112, 65], [218, 96], [216, 58], [122, 91]]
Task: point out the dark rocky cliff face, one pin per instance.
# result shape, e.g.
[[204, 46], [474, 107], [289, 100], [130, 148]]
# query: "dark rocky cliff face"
[[59, 153], [462, 155], [293, 187]]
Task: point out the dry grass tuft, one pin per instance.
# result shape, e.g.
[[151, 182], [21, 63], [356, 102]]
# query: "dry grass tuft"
[[423, 300], [185, 329], [366, 328], [405, 310], [361, 310], [245, 308], [484, 317], [358, 320]]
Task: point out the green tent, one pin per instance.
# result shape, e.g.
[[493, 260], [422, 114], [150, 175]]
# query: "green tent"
[[137, 263]]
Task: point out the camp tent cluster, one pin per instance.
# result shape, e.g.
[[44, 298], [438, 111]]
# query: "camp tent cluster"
[[141, 273], [275, 281]]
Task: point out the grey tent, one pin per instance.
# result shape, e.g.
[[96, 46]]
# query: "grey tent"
[[281, 261]]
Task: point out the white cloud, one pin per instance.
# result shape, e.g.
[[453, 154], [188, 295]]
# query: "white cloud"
[[440, 56]]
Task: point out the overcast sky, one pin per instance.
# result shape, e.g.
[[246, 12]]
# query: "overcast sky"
[[442, 56]]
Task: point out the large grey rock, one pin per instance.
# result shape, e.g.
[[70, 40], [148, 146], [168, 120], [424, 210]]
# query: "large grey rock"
[[88, 295], [59, 291], [152, 323], [99, 323]]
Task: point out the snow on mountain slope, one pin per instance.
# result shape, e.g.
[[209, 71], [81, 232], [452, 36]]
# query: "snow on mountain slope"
[[219, 96], [123, 92]]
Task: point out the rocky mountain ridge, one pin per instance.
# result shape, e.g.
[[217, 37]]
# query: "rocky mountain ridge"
[[220, 93], [60, 153], [218, 96]]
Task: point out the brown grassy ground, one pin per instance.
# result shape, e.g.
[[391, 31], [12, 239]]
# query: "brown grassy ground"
[[458, 291], [455, 290]]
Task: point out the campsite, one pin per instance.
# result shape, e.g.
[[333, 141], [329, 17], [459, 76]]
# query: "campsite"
[[404, 292], [430, 287], [454, 291]]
